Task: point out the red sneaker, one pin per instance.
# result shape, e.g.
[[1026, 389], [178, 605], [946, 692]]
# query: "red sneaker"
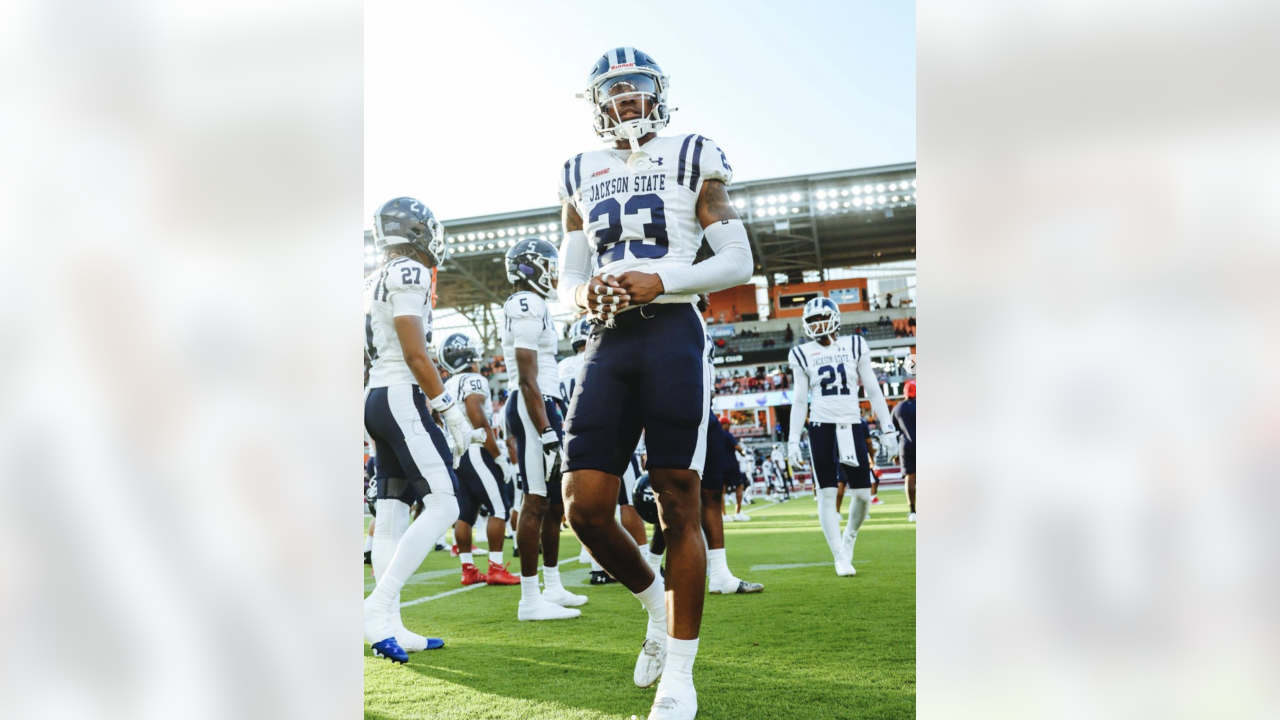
[[498, 575], [470, 575], [453, 550], [876, 500]]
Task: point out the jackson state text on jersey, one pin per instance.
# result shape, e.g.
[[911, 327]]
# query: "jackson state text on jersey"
[[833, 377], [403, 287], [644, 220]]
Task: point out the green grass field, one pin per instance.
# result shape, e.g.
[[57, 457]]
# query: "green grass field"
[[811, 646]]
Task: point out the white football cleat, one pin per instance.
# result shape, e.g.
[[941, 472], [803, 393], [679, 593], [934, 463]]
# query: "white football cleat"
[[542, 610], [728, 518], [674, 701], [844, 568], [742, 517], [584, 557], [564, 598], [911, 517], [409, 640], [653, 657], [846, 547], [733, 586]]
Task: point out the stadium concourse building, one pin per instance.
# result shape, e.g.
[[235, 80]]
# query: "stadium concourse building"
[[849, 235]]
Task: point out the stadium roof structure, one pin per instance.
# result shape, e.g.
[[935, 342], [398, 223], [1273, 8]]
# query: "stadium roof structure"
[[801, 223]]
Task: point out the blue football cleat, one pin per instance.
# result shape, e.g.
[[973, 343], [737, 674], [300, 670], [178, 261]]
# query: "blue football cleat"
[[391, 650], [434, 643]]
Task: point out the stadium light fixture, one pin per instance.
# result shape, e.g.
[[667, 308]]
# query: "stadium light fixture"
[[739, 203], [880, 200], [822, 205], [759, 200], [795, 197], [913, 182], [821, 195], [895, 198], [866, 189], [880, 188], [857, 191], [846, 203], [893, 186], [471, 247], [551, 226], [857, 202], [490, 246], [844, 193], [502, 233], [773, 200], [542, 227]]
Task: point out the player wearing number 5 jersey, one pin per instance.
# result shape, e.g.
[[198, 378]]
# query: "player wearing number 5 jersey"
[[827, 372], [635, 214]]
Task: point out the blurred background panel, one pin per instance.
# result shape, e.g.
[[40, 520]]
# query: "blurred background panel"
[[181, 401], [1100, 229]]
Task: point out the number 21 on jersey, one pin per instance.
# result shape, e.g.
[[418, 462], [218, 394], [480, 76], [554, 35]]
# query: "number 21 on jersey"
[[828, 380], [609, 244]]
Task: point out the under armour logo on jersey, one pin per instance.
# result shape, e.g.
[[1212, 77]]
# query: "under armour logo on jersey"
[[657, 161]]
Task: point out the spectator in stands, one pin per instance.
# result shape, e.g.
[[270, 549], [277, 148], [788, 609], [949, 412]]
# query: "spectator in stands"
[[888, 300], [791, 334]]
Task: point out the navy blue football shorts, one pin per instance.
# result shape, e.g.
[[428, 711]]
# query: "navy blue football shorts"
[[827, 468], [413, 456], [909, 462], [713, 468], [533, 479], [648, 373], [481, 485]]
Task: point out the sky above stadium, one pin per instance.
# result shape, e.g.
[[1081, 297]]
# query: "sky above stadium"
[[470, 107]]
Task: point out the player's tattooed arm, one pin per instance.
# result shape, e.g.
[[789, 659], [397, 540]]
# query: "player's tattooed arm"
[[602, 295], [714, 205]]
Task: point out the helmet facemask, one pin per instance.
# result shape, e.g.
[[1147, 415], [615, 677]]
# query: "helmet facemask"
[[610, 91], [538, 272]]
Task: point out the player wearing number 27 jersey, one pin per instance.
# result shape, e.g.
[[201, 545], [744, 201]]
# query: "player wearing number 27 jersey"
[[635, 214]]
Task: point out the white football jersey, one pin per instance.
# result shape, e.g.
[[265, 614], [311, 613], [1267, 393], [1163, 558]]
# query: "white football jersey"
[[527, 324], [465, 384], [832, 372], [401, 287], [569, 369], [644, 220]]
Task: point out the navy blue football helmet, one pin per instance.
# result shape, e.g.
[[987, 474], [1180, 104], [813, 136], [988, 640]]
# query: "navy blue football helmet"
[[458, 352], [623, 74], [821, 317], [406, 221], [643, 500], [579, 332], [535, 261]]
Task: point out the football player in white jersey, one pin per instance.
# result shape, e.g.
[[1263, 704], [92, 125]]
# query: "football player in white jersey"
[[832, 366], [414, 458], [635, 214], [534, 417], [484, 473]]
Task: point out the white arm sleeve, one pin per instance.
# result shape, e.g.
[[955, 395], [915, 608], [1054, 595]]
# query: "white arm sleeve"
[[575, 266], [406, 303], [799, 398], [867, 375], [525, 332], [731, 265]]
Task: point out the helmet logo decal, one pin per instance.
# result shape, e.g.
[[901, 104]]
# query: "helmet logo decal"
[[623, 65]]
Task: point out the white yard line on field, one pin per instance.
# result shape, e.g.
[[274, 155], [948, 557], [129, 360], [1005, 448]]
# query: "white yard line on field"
[[790, 566], [437, 596]]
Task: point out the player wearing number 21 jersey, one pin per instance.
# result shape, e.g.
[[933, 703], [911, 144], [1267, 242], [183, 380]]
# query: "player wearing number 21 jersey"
[[827, 373], [635, 213]]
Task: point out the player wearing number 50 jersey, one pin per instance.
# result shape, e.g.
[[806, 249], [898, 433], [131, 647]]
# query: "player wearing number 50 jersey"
[[827, 373], [635, 214]]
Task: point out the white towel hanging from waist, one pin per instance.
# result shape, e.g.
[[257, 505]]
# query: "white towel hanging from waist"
[[845, 444]]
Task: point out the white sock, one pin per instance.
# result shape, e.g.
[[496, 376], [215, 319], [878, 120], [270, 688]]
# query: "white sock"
[[368, 540], [858, 511], [529, 589], [654, 600], [644, 550], [595, 566], [830, 521], [655, 562], [680, 657], [718, 565], [495, 559], [466, 558], [439, 512], [387, 534], [551, 577]]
